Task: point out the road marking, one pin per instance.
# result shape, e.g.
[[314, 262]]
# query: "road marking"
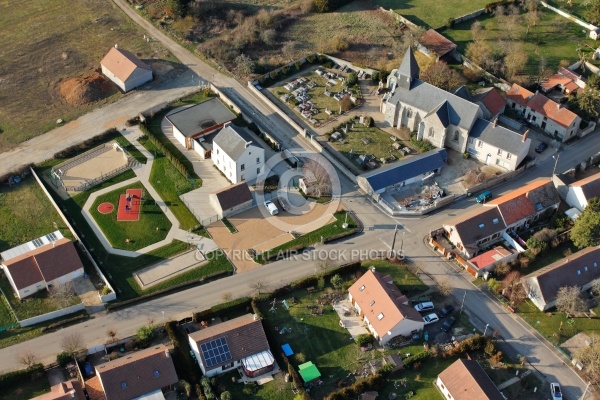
[[383, 241]]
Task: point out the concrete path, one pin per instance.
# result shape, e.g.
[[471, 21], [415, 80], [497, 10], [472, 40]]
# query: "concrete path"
[[142, 172]]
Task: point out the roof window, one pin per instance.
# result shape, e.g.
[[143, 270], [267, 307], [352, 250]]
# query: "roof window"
[[481, 226], [585, 268], [495, 220], [380, 316], [578, 272], [123, 385], [156, 373], [361, 288]]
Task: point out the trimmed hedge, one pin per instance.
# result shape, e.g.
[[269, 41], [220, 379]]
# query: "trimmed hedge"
[[88, 144], [163, 149], [15, 378], [409, 361], [243, 303]]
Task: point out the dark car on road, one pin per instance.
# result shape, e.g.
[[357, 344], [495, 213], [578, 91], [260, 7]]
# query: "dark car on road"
[[447, 325], [447, 310], [541, 147]]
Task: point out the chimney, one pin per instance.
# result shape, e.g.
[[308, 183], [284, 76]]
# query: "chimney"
[[167, 353], [525, 135], [116, 46], [495, 121], [373, 269]]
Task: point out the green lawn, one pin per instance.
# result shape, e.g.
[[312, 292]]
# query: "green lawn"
[[408, 283], [550, 256], [170, 184], [28, 390], [6, 316], [26, 213], [379, 143], [578, 10], [36, 304], [153, 225], [554, 37], [131, 149], [325, 232], [432, 13]]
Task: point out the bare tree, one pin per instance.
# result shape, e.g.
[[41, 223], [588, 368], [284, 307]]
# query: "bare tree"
[[531, 19], [72, 342], [112, 334], [319, 175], [502, 269], [62, 294], [441, 75], [444, 287], [476, 30], [595, 287], [258, 285], [27, 358], [226, 296], [515, 59], [513, 290], [590, 355], [569, 300]]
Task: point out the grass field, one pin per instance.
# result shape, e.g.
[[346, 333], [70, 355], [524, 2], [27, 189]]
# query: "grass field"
[[170, 184], [554, 37], [57, 40], [131, 149], [379, 143], [26, 213], [432, 13], [153, 225]]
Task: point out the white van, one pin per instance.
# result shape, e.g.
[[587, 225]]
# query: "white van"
[[272, 208]]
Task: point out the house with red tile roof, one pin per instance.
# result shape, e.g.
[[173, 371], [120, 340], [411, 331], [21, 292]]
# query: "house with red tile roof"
[[581, 191], [384, 309], [237, 343], [578, 269], [43, 262], [478, 229], [467, 380], [564, 80], [124, 69], [492, 103], [488, 260], [433, 43], [544, 113], [147, 374]]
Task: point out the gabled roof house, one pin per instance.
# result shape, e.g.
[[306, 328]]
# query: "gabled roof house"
[[466, 380], [445, 119], [481, 227], [124, 69], [237, 154], [383, 307], [40, 263], [578, 269], [580, 192], [436, 44], [239, 342], [145, 374], [231, 200]]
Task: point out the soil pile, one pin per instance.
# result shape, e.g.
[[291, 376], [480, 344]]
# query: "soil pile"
[[79, 91]]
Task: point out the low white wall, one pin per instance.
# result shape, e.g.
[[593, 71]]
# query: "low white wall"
[[51, 315], [569, 16]]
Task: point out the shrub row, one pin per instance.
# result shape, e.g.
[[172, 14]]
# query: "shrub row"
[[410, 361], [491, 7], [184, 363], [323, 6], [64, 323], [372, 382], [243, 303], [88, 144], [163, 149], [21, 172], [15, 378]]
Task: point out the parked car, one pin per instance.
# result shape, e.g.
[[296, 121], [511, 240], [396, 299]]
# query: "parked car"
[[428, 306], [541, 147], [483, 197], [271, 208], [447, 325], [431, 318], [555, 391], [89, 371], [421, 299], [447, 310]]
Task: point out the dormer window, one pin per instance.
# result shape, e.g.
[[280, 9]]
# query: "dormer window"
[[361, 288], [380, 316]]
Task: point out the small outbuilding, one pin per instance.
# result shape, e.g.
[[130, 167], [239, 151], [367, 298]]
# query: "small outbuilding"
[[124, 69], [231, 200]]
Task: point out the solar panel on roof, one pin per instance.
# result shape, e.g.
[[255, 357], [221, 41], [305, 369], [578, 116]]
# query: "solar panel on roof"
[[37, 242], [215, 352], [51, 237]]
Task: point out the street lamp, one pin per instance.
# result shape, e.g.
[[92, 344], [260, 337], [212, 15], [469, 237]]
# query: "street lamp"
[[485, 330], [556, 157]]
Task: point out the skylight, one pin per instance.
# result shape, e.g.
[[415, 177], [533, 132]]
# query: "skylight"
[[123, 385], [380, 316], [539, 207], [156, 373], [495, 221], [481, 226], [361, 288], [578, 272]]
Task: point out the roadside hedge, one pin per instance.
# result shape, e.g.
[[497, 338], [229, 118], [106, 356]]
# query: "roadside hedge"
[[88, 144], [15, 378]]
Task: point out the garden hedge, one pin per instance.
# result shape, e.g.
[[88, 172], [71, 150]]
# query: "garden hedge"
[[11, 379]]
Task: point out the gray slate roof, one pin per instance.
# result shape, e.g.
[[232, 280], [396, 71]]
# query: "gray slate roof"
[[235, 195], [232, 140], [442, 113], [424, 96], [463, 92], [497, 136], [409, 66], [406, 169], [200, 117]]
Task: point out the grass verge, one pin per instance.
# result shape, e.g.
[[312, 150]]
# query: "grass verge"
[[229, 225], [152, 226], [131, 149]]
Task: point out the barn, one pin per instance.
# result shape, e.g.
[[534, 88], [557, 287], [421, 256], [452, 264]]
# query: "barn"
[[124, 69]]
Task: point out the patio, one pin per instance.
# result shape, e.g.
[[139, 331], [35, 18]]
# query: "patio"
[[348, 318], [260, 380]]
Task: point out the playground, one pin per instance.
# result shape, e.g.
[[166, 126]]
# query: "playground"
[[91, 168], [138, 221]]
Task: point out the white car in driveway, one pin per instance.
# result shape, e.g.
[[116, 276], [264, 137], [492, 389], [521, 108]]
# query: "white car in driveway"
[[555, 391], [427, 306], [271, 208], [431, 318]]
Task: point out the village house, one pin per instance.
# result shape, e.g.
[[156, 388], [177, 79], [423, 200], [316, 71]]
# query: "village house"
[[43, 262], [436, 45], [580, 192], [384, 309], [564, 80], [237, 154], [124, 69], [231, 200], [538, 110], [467, 380], [237, 343]]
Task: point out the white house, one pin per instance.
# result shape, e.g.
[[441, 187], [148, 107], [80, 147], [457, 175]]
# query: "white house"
[[124, 69], [495, 145], [579, 192], [466, 380], [383, 308], [43, 262], [237, 343], [191, 123], [231, 200], [578, 269], [237, 154]]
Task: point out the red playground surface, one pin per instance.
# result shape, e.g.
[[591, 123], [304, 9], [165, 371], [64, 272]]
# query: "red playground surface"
[[129, 205], [106, 208]]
